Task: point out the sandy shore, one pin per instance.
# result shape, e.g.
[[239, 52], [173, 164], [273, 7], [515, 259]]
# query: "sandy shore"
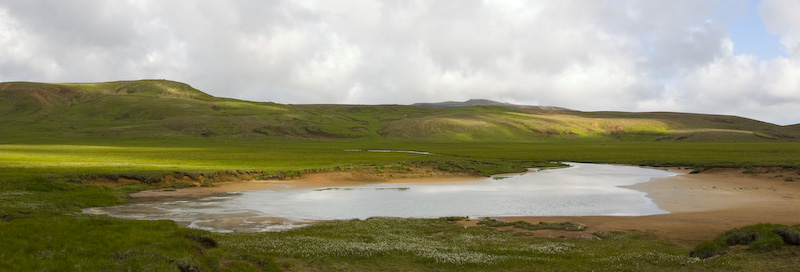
[[700, 205], [703, 205]]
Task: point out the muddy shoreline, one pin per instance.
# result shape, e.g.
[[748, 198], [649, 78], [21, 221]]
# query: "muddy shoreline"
[[701, 205]]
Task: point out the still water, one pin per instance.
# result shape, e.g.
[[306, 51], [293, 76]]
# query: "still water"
[[579, 190]]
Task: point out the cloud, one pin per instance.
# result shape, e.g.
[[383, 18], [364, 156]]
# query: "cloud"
[[743, 84], [597, 55]]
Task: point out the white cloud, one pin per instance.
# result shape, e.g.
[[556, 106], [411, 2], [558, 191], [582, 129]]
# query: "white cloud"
[[586, 55], [780, 17], [743, 84]]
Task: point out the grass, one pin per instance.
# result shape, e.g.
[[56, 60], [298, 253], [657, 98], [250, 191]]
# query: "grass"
[[46, 241], [568, 226], [758, 238], [206, 155], [395, 244], [155, 109], [41, 189], [55, 136], [38, 241]]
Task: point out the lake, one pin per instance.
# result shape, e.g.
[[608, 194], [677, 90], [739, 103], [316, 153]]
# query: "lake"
[[579, 190]]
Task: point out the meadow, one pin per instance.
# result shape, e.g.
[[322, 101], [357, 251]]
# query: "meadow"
[[57, 138], [485, 158], [42, 192]]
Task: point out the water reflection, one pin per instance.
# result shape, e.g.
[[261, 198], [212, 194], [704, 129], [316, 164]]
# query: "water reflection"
[[582, 189]]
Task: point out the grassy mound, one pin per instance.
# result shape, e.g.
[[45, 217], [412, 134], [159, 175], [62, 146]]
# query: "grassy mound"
[[760, 237], [568, 226]]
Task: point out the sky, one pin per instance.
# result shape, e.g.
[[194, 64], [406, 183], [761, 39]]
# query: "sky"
[[735, 57]]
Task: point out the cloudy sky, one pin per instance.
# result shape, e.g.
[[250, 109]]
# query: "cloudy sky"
[[724, 57]]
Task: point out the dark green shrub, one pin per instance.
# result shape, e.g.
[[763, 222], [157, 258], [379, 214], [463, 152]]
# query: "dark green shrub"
[[568, 226], [760, 237], [492, 222], [748, 234], [205, 241], [770, 242], [739, 237], [709, 249], [613, 235], [143, 177], [292, 174], [790, 235]]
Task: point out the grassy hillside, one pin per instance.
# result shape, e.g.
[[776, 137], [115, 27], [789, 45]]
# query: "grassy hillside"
[[160, 108], [484, 102], [54, 138]]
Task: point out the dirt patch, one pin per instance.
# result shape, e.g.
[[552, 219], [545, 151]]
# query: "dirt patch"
[[197, 191], [363, 175], [701, 206]]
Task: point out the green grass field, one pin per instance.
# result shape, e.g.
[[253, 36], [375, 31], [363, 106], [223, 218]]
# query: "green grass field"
[[208, 155], [41, 192], [56, 136]]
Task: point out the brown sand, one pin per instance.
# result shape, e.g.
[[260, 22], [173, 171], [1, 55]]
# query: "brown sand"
[[700, 205]]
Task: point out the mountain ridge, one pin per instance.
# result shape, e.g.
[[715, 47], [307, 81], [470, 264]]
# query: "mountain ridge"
[[486, 102], [169, 109]]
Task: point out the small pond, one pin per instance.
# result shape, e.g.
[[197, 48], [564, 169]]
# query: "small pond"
[[579, 190]]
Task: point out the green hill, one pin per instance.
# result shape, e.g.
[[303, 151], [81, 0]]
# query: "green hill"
[[484, 102], [160, 108]]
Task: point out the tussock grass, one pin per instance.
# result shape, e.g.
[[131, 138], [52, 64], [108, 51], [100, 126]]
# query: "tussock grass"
[[568, 226], [759, 238]]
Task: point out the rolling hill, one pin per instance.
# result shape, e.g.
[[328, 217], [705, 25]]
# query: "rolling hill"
[[161, 108], [484, 102]]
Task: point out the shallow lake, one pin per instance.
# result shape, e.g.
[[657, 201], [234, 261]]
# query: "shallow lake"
[[579, 190]]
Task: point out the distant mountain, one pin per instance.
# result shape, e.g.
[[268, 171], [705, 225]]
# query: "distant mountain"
[[484, 102], [161, 109]]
